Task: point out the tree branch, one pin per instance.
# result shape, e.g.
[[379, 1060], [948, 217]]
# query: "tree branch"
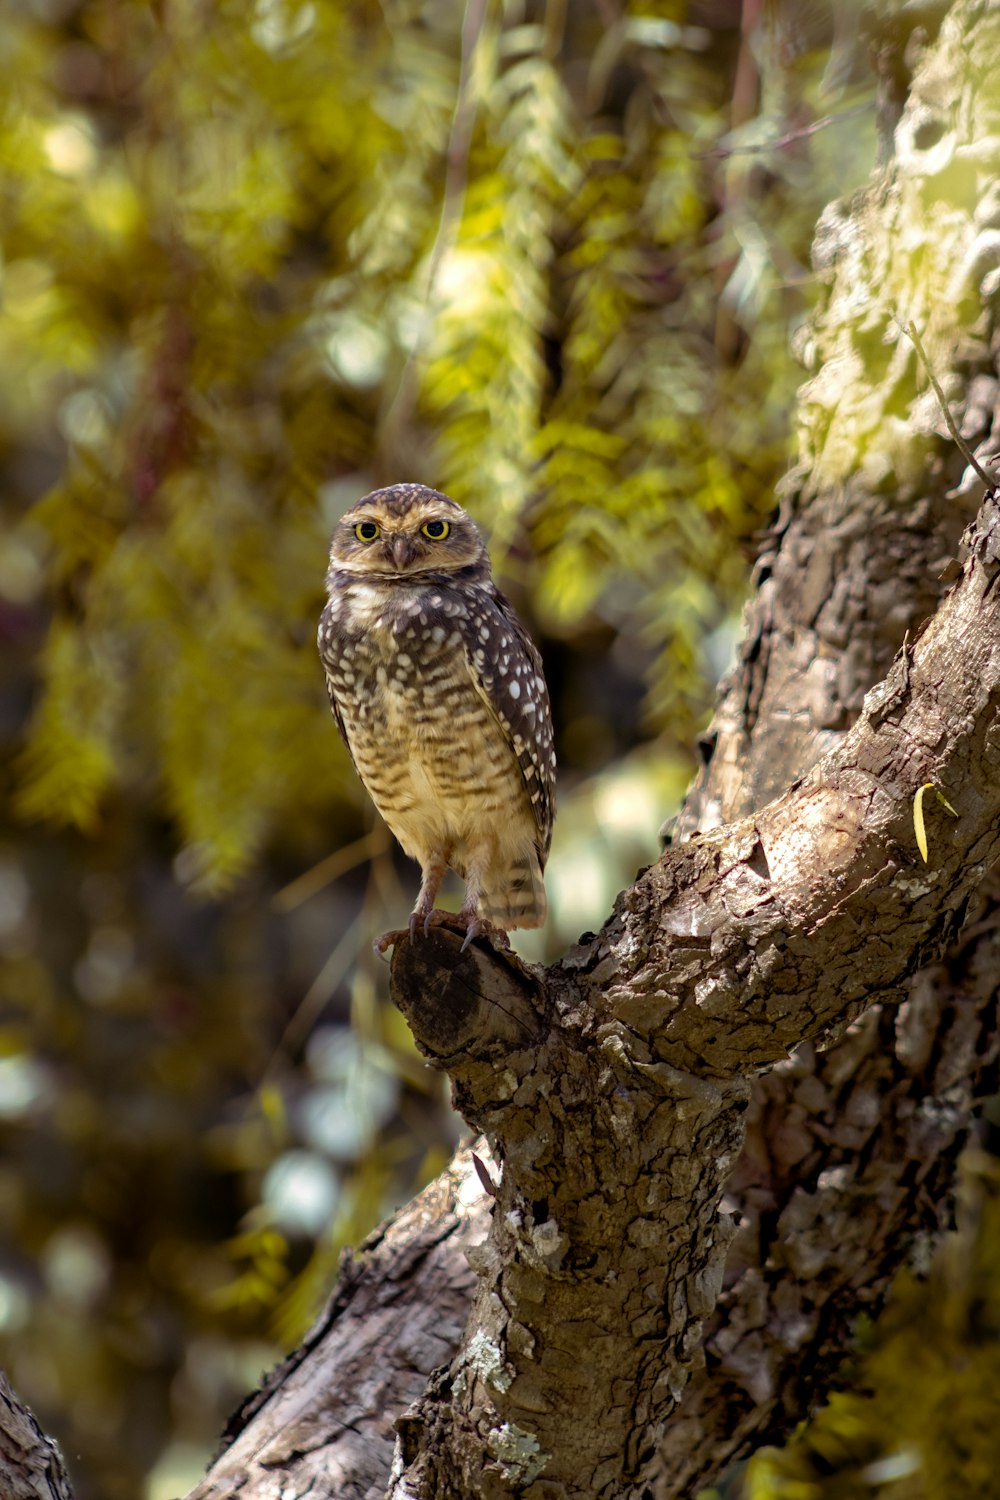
[[850, 1152], [326, 1414], [618, 1127], [845, 1174], [31, 1466]]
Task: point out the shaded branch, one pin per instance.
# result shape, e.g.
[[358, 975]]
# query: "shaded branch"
[[323, 1420], [31, 1466], [846, 1174]]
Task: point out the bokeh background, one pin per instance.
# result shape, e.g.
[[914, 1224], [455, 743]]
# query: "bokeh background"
[[258, 257]]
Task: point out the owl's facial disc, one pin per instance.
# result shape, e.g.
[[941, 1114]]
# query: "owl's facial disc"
[[422, 535]]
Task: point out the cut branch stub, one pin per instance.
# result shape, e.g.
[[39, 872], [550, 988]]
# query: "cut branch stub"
[[469, 1004], [479, 1014]]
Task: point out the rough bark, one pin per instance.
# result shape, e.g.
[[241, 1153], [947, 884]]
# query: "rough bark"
[[326, 1414], [845, 1174], [850, 1152], [618, 1126], [31, 1466]]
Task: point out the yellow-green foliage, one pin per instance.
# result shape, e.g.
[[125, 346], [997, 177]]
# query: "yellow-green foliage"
[[257, 259]]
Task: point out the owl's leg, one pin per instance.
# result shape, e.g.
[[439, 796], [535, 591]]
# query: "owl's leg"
[[433, 870], [424, 915], [471, 915]]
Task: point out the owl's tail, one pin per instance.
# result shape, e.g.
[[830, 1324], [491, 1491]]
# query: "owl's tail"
[[515, 896]]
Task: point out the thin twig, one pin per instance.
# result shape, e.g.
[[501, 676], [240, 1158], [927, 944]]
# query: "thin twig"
[[309, 1008], [990, 480], [330, 869], [760, 147]]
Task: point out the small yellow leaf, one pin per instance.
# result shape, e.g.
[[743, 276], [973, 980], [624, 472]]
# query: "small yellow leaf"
[[918, 820], [945, 803], [918, 814]]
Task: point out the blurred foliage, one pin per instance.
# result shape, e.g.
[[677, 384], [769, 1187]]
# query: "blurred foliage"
[[252, 259], [257, 258]]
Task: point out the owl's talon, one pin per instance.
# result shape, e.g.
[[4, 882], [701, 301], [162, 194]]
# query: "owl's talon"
[[472, 931], [423, 921], [480, 927], [388, 940]]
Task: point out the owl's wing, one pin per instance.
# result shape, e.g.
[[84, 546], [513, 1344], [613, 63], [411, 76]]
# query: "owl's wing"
[[339, 720], [327, 634], [507, 672]]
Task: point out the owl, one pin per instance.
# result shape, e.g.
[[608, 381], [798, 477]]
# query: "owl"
[[439, 695]]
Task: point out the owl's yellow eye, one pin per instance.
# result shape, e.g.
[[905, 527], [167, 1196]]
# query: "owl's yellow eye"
[[436, 530], [367, 531]]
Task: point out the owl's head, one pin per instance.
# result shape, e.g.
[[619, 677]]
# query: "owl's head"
[[404, 530]]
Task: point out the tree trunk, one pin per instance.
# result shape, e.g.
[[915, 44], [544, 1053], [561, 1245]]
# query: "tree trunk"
[[692, 1200]]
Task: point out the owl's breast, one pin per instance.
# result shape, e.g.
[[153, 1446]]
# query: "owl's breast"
[[427, 746], [392, 666]]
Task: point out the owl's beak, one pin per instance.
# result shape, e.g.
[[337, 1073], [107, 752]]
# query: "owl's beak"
[[403, 551]]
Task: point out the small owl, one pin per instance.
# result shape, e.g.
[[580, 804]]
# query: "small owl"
[[439, 695]]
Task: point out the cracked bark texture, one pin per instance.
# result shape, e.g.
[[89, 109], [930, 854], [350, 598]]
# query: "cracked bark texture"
[[31, 1466], [849, 1152], [322, 1423]]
